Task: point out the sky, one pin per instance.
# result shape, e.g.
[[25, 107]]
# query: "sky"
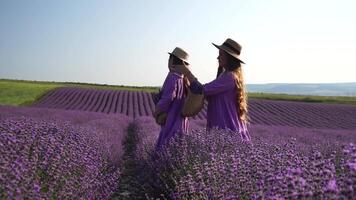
[[125, 42]]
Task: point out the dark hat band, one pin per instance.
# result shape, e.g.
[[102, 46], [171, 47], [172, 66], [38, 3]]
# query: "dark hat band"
[[231, 47]]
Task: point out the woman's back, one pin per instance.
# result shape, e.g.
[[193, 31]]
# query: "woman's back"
[[171, 102], [221, 95]]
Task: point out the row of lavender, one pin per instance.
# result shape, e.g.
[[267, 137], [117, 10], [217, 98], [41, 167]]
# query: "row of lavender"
[[59, 154], [106, 101], [265, 112]]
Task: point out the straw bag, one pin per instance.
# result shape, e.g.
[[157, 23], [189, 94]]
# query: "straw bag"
[[192, 104]]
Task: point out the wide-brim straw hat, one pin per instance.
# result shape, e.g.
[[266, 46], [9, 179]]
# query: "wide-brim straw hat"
[[180, 54], [231, 47], [193, 104]]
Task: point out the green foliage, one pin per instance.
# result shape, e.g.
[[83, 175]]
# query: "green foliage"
[[21, 93], [129, 187], [2, 192]]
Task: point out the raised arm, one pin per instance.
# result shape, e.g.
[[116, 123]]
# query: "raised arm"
[[221, 84]]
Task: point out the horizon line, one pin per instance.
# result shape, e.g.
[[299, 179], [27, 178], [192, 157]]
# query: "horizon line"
[[105, 84]]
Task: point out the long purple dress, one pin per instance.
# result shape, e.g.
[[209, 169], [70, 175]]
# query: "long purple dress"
[[222, 112], [171, 102]]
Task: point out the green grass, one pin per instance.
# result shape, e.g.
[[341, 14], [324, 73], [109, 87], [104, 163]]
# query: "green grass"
[[20, 92]]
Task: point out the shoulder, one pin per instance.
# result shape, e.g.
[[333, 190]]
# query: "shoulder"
[[173, 77], [227, 77]]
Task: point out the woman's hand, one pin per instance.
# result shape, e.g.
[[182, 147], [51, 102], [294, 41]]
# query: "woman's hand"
[[160, 116], [156, 112], [182, 69]]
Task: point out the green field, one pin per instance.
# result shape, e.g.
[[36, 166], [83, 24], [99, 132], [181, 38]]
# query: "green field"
[[18, 92]]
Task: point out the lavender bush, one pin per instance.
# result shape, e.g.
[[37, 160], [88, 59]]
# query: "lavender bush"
[[43, 159], [49, 153], [219, 165], [108, 129]]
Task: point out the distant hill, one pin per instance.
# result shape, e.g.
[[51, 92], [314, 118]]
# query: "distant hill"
[[322, 89]]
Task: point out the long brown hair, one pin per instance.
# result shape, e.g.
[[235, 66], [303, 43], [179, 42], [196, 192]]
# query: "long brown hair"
[[234, 65]]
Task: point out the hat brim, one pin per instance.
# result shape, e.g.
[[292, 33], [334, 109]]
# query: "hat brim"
[[229, 52], [184, 60]]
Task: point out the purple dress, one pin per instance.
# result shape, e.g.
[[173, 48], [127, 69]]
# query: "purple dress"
[[171, 102], [222, 112]]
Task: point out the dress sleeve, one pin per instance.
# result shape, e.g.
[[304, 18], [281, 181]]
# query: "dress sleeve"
[[196, 87], [221, 84], [168, 93]]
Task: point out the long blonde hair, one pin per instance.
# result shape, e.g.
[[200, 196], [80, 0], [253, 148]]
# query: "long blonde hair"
[[242, 105], [186, 85], [234, 66]]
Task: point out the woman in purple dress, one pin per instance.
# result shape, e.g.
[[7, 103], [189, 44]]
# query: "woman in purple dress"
[[171, 100], [226, 95]]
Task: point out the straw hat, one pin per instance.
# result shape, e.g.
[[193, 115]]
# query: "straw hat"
[[180, 53], [231, 47], [192, 104]]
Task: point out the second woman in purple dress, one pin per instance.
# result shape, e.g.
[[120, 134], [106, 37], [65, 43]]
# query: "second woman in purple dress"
[[226, 95]]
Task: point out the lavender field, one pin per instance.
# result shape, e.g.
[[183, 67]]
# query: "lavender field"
[[98, 144], [266, 112]]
